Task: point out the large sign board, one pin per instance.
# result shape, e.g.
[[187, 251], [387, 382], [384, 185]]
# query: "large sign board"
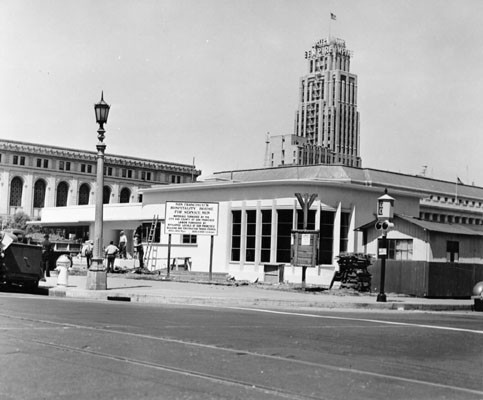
[[191, 218], [325, 47]]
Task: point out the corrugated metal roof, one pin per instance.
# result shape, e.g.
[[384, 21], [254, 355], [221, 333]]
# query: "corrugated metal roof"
[[456, 229], [284, 173]]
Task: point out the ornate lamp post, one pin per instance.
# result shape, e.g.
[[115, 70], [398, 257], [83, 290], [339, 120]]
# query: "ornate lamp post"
[[97, 276]]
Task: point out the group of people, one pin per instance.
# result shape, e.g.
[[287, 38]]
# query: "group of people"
[[112, 251]]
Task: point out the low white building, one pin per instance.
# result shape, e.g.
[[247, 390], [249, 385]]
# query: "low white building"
[[258, 210]]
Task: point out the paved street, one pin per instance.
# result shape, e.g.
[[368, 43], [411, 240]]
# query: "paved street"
[[89, 349]]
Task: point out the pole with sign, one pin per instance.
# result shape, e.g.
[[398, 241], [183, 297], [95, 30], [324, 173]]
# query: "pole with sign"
[[385, 212], [188, 218], [307, 239], [169, 254]]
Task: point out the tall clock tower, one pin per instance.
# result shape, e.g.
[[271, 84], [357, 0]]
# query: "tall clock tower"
[[327, 120]]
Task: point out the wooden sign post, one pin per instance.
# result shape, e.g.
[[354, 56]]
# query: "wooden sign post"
[[305, 242]]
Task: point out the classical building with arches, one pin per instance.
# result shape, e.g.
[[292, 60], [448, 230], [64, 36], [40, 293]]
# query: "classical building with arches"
[[34, 176]]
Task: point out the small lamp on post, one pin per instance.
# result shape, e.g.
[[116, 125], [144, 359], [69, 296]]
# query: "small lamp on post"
[[102, 112], [385, 213], [96, 275]]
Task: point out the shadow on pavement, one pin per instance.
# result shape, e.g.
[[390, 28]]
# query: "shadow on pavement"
[[40, 291], [127, 287]]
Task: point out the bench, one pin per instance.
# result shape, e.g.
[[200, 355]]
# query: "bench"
[[183, 262]]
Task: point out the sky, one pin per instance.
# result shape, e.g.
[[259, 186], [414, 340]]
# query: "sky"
[[207, 79]]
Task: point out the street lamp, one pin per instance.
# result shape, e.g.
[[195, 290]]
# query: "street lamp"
[[96, 275], [385, 213]]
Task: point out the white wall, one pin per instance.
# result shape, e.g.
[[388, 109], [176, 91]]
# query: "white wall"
[[358, 200]]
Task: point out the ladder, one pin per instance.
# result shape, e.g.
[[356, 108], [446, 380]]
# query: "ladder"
[[152, 251], [154, 258]]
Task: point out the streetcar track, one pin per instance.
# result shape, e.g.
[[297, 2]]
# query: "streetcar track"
[[181, 371], [235, 351]]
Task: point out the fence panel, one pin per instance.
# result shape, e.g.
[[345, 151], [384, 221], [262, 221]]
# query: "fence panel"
[[422, 279]]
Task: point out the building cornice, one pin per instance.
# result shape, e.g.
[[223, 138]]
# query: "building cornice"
[[91, 156]]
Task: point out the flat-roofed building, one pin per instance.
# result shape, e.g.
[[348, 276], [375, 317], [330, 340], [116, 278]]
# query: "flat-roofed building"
[[258, 211]]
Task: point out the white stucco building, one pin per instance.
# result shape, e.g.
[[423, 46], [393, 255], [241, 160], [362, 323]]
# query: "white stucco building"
[[258, 210]]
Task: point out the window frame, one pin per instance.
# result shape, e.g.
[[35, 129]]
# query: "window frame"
[[251, 235], [189, 239], [236, 231], [452, 251]]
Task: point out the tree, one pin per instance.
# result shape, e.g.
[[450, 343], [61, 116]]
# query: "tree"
[[18, 221]]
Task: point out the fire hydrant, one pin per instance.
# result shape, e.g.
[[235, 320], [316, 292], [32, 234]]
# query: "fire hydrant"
[[62, 266]]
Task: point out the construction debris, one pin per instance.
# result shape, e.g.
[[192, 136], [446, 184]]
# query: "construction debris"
[[353, 273]]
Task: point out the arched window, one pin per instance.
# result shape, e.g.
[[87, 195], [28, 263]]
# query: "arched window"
[[106, 195], [16, 192], [39, 194], [62, 193], [125, 195], [84, 192]]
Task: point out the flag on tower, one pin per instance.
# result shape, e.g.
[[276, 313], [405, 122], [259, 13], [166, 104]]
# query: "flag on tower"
[[332, 16]]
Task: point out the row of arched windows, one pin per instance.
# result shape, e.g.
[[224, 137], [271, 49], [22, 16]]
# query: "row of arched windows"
[[16, 188]]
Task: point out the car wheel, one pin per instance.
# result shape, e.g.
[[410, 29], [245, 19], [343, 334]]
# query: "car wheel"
[[32, 285]]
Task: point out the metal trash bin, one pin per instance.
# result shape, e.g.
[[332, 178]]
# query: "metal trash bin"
[[62, 265]]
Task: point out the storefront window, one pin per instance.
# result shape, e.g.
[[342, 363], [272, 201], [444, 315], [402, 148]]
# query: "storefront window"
[[284, 235], [326, 237], [266, 235], [235, 235], [251, 235]]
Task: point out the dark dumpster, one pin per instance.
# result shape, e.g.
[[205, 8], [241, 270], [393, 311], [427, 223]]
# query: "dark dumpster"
[[20, 263]]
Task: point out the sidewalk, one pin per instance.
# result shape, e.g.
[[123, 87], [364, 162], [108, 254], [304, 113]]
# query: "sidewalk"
[[132, 287]]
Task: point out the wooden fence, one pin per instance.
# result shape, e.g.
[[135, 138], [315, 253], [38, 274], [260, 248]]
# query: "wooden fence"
[[427, 279]]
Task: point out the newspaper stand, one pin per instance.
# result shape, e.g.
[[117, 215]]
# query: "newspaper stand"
[[304, 250]]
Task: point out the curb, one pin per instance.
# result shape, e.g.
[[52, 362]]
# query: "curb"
[[122, 296]]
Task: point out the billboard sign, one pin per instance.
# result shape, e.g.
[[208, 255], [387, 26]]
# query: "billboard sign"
[[189, 218]]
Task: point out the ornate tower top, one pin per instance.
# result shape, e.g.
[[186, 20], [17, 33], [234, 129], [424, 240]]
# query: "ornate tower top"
[[329, 54]]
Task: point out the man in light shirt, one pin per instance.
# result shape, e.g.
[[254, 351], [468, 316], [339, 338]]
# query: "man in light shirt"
[[111, 252], [122, 245]]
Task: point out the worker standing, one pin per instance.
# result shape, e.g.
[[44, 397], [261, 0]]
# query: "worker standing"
[[122, 245], [111, 252], [47, 250], [138, 247]]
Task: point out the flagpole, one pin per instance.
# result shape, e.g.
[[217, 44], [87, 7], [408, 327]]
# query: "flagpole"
[[192, 171], [330, 24], [456, 196], [332, 16]]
